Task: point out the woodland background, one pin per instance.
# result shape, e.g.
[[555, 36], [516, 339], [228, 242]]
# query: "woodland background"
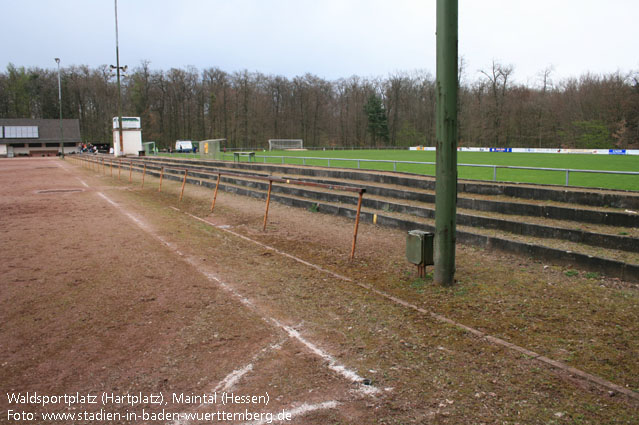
[[248, 108]]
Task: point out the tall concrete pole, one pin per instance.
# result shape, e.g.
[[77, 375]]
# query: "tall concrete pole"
[[117, 64], [57, 60], [446, 133]]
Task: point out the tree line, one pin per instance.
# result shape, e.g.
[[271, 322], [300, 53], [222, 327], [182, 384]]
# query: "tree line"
[[248, 108]]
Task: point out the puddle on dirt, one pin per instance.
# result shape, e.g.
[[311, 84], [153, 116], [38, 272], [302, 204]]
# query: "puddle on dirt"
[[59, 190]]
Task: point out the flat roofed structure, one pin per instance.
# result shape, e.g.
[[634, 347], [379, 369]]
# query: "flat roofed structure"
[[38, 137]]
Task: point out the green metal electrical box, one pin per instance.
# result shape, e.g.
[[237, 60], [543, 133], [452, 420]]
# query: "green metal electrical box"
[[419, 247]]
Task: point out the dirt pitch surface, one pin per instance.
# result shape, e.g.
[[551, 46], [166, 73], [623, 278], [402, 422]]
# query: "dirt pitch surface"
[[162, 310]]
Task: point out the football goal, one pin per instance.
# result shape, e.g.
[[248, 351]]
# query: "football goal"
[[285, 144], [149, 148]]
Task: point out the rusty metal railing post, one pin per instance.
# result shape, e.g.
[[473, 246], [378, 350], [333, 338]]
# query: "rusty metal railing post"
[[268, 201], [217, 185], [359, 208], [161, 175], [111, 167], [119, 168], [130, 170], [143, 175], [183, 184]]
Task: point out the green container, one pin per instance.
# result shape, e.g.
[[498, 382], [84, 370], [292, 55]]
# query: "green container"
[[419, 247]]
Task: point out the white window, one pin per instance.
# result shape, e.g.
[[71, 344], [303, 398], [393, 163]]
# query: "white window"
[[20, 132]]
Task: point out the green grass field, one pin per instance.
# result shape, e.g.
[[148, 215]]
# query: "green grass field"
[[571, 161]]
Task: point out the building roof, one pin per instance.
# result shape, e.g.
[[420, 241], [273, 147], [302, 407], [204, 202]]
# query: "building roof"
[[48, 130]]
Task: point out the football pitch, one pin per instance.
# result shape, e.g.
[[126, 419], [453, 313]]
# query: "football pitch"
[[537, 160], [348, 159]]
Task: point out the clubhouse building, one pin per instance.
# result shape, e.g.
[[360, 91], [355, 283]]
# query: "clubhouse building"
[[38, 137]]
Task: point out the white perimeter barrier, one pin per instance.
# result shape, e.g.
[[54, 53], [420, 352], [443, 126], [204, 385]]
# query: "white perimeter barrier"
[[538, 150]]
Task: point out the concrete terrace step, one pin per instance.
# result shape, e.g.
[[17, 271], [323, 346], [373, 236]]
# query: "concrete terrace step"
[[606, 222], [565, 211], [510, 235], [605, 215], [582, 196], [464, 218]]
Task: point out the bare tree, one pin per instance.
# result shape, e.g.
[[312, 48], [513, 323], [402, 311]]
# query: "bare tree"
[[249, 108], [497, 79], [542, 105]]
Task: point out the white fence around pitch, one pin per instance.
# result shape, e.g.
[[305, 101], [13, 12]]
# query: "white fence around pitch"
[[537, 150], [304, 159]]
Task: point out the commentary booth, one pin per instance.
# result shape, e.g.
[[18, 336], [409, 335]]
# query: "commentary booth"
[[131, 136]]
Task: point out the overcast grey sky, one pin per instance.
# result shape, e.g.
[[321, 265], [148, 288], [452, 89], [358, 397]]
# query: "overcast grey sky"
[[329, 38]]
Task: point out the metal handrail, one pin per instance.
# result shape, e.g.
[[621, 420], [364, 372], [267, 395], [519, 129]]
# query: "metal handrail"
[[268, 179], [359, 190], [494, 167]]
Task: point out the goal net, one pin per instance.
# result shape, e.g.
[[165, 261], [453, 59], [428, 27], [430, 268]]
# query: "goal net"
[[284, 144]]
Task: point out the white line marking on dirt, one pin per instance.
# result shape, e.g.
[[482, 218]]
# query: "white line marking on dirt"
[[63, 167], [270, 248], [299, 411], [137, 221], [234, 377], [494, 340], [229, 381], [332, 362]]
